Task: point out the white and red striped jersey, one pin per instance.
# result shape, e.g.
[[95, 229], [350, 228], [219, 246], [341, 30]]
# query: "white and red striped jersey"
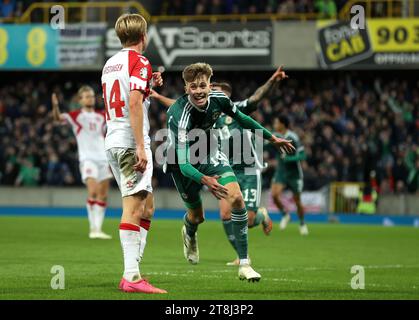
[[89, 129], [125, 71]]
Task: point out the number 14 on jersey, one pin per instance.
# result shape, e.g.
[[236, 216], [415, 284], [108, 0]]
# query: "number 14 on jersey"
[[115, 101]]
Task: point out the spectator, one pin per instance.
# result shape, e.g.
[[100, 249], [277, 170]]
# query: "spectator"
[[412, 163], [326, 8], [28, 174], [287, 7], [367, 200]]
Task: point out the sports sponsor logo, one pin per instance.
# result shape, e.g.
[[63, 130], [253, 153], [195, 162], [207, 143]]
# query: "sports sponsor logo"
[[221, 44], [341, 45], [386, 43]]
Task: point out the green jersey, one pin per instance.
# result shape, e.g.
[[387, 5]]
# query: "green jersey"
[[231, 133], [290, 165], [183, 117]]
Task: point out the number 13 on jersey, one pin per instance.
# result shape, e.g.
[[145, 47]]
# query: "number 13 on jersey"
[[115, 101]]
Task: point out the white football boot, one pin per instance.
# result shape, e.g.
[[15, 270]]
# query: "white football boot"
[[190, 247], [284, 221], [304, 230], [246, 272], [267, 222], [99, 235]]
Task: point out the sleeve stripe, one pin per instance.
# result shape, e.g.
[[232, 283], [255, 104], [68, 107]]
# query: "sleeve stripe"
[[216, 92], [185, 123], [242, 103], [136, 83], [219, 96], [185, 116]]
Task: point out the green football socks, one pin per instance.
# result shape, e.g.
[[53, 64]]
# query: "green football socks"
[[239, 226]]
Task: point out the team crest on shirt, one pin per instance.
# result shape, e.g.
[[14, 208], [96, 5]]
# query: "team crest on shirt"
[[143, 73], [216, 115], [184, 196], [182, 136], [228, 120]]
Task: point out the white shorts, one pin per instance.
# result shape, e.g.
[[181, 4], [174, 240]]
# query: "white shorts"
[[98, 170], [130, 181]]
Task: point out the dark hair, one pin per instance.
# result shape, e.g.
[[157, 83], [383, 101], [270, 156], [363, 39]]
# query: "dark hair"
[[225, 86], [284, 120]]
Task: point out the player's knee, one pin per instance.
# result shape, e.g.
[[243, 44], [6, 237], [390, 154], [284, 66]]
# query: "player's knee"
[[197, 219], [236, 200], [148, 213], [225, 215]]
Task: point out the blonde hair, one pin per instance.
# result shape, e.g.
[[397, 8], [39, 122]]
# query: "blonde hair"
[[130, 29], [83, 89], [196, 70]]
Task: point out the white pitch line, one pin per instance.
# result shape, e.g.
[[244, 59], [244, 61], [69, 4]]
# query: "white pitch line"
[[199, 274]]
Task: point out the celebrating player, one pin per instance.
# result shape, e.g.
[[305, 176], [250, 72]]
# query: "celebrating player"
[[247, 171], [250, 184], [126, 81], [200, 108], [89, 127], [289, 174]]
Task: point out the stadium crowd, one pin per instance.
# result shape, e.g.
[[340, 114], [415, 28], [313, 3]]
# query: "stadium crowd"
[[321, 9], [354, 128], [328, 8]]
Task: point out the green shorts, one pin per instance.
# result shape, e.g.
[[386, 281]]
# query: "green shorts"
[[293, 182], [189, 190], [251, 188]]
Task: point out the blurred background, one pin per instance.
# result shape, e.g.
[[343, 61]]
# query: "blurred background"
[[352, 94]]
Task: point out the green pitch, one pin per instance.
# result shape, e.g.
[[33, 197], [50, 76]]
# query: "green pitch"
[[292, 267]]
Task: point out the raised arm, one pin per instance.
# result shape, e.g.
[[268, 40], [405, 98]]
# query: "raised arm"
[[136, 120], [263, 90], [167, 102], [56, 113]]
